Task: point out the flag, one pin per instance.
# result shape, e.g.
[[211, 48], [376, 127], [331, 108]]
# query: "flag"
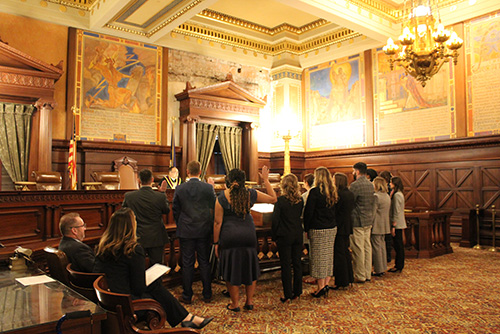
[[172, 148], [72, 158]]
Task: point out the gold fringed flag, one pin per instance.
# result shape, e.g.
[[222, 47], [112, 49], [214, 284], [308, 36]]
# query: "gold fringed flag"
[[172, 145], [72, 158]]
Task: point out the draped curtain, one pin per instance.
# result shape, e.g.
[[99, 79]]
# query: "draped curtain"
[[206, 135], [15, 129], [230, 146]]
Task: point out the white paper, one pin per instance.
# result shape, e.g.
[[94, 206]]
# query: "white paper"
[[32, 280], [156, 271], [263, 207]]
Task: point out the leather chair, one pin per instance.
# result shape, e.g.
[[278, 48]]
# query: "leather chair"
[[108, 180], [127, 168], [57, 261], [83, 283], [220, 182], [121, 312], [47, 180]]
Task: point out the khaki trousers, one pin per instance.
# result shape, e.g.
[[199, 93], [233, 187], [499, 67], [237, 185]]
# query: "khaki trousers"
[[361, 253]]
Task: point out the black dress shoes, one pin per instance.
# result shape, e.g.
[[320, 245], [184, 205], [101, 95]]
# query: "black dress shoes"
[[191, 324], [395, 270]]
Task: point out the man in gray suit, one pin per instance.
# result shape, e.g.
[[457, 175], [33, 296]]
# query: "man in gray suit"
[[362, 217], [149, 206], [193, 206]]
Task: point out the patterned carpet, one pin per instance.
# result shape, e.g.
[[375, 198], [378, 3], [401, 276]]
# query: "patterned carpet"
[[454, 293]]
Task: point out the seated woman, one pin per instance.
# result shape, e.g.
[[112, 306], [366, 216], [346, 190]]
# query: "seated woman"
[[122, 259]]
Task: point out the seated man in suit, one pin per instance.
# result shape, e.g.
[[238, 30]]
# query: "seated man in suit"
[[172, 180], [193, 206], [80, 255]]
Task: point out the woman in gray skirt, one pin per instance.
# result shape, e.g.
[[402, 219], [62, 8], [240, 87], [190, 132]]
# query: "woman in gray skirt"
[[321, 228], [381, 226]]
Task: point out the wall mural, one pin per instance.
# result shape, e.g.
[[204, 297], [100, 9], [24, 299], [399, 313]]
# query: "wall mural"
[[482, 49], [404, 111], [117, 89], [335, 104]]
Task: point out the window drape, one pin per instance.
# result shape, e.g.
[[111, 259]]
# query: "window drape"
[[15, 131], [206, 136], [230, 146]]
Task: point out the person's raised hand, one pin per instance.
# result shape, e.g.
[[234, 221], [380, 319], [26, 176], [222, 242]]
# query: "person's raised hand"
[[265, 173]]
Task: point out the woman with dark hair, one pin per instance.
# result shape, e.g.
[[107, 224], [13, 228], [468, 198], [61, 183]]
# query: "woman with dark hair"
[[342, 262], [381, 226], [319, 223], [388, 237], [235, 238], [398, 222], [287, 232], [122, 259]]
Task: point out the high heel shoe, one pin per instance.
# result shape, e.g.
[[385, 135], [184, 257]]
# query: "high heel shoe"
[[236, 309], [321, 293], [284, 299], [395, 270], [191, 324]]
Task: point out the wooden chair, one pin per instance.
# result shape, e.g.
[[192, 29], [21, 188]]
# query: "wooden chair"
[[83, 283], [122, 309], [108, 180], [57, 261], [127, 168], [275, 179], [47, 180]]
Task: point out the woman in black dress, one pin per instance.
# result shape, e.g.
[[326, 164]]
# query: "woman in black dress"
[[122, 259], [342, 262], [235, 238], [288, 233]]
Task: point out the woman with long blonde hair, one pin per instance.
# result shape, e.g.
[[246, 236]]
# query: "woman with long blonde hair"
[[321, 227], [381, 226], [287, 232], [122, 259]]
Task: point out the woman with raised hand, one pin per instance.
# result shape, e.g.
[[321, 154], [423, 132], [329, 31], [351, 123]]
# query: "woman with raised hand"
[[319, 223], [381, 226], [398, 222], [122, 259], [288, 233], [235, 237]]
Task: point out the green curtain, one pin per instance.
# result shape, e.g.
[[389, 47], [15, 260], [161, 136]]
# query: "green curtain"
[[206, 135], [15, 129], [230, 146]]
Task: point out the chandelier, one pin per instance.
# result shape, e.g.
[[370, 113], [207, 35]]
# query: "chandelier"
[[424, 49]]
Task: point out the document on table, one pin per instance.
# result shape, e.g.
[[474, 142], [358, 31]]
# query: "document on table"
[[32, 280], [156, 271]]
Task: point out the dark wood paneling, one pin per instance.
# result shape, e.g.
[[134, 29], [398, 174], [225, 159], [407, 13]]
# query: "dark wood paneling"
[[452, 175]]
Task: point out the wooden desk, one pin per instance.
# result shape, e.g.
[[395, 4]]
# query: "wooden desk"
[[36, 309], [427, 234]]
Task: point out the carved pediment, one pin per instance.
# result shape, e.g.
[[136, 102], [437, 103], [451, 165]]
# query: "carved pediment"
[[225, 100], [24, 76]]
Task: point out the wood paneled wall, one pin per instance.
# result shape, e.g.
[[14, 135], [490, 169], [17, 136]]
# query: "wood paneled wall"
[[450, 175], [99, 156]]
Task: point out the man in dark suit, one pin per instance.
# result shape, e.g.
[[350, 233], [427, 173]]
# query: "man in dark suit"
[[80, 255], [193, 206], [149, 206]]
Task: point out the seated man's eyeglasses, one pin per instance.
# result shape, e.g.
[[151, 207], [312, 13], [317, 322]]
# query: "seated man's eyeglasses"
[[84, 225]]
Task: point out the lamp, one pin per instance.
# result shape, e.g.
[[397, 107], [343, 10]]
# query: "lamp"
[[424, 48], [288, 130]]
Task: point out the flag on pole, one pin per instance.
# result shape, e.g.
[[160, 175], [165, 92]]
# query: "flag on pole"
[[72, 157], [172, 146]]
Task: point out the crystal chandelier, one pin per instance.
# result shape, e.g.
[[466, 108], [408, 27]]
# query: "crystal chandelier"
[[424, 49]]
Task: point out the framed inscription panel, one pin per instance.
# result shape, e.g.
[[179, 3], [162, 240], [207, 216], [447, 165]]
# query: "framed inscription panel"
[[117, 90]]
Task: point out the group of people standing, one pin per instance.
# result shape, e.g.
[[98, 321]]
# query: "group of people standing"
[[338, 220]]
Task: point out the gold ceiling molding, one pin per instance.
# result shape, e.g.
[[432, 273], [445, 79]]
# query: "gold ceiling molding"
[[234, 21], [224, 38], [79, 4]]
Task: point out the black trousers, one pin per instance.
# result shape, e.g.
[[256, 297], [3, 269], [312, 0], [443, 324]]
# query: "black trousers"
[[155, 254], [174, 310], [290, 252], [200, 247], [342, 261], [388, 246], [400, 249]]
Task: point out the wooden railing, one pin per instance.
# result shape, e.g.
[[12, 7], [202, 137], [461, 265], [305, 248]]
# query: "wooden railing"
[[427, 234]]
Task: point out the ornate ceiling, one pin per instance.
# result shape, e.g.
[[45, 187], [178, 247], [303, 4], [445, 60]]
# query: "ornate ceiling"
[[267, 33]]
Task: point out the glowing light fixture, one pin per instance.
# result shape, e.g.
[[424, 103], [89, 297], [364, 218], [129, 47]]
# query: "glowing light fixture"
[[424, 48]]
